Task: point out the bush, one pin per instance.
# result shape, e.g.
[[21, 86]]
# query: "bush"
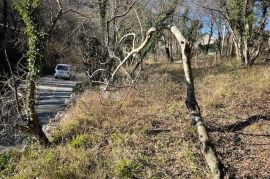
[[81, 141], [131, 168], [8, 162]]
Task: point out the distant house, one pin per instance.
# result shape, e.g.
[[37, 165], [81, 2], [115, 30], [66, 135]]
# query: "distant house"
[[203, 40]]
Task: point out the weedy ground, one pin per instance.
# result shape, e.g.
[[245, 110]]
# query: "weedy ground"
[[149, 134]]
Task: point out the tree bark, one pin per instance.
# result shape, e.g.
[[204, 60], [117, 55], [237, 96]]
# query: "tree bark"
[[33, 121], [194, 110], [213, 162], [168, 54], [219, 41], [210, 36], [35, 52], [246, 53]]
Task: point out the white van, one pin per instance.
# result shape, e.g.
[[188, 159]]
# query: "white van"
[[62, 71]]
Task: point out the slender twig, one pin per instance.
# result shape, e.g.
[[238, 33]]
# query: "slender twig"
[[15, 88], [121, 15]]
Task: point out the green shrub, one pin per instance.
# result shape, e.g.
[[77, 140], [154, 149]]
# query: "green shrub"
[[81, 141], [117, 138], [127, 169], [131, 168], [8, 162], [4, 159]]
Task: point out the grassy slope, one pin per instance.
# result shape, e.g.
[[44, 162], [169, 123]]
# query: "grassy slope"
[[151, 136]]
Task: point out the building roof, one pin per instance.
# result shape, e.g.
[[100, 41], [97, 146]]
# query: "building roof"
[[203, 40]]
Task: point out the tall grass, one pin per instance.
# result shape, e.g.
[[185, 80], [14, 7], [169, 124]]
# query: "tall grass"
[[148, 135]]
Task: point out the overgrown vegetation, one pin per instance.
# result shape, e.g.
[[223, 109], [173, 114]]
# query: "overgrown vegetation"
[[135, 126], [151, 136], [35, 57]]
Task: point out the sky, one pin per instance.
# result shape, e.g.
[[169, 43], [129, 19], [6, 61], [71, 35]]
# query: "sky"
[[268, 25]]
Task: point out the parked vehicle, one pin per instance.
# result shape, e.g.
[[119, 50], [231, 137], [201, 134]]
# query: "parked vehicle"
[[62, 71]]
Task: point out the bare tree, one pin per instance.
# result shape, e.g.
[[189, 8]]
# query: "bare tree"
[[191, 102], [246, 21]]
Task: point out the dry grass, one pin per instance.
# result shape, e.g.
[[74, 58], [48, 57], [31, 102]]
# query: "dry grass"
[[151, 136]]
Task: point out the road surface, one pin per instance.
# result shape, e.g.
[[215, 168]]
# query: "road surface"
[[52, 94]]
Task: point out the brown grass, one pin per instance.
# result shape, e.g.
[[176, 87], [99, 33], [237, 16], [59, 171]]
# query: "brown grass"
[[151, 136]]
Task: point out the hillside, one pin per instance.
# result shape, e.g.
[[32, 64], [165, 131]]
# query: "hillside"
[[149, 134]]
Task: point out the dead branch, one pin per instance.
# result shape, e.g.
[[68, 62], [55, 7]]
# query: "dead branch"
[[120, 61], [14, 86], [60, 13], [213, 162], [140, 23], [136, 50], [122, 15], [193, 107]]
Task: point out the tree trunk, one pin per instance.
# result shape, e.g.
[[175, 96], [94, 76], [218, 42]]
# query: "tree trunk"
[[223, 41], [207, 148], [246, 59], [35, 56], [229, 44], [219, 42], [168, 54], [210, 36], [171, 49], [32, 117], [239, 50], [103, 22], [166, 44], [194, 110]]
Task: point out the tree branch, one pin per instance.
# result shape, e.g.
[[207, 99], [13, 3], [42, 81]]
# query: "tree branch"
[[195, 114], [15, 89], [60, 13], [125, 13], [136, 50]]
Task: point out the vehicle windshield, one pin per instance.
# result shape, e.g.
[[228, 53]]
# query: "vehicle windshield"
[[62, 68]]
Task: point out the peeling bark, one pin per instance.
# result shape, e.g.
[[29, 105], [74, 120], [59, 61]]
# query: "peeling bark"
[[194, 110]]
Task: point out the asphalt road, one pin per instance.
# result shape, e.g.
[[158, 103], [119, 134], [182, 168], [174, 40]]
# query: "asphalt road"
[[52, 94]]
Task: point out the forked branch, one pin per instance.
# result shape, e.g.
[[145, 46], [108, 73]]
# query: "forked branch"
[[136, 50], [122, 15], [60, 13], [211, 158]]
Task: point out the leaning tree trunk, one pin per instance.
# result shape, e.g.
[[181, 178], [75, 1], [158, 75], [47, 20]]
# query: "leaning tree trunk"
[[207, 148], [194, 110]]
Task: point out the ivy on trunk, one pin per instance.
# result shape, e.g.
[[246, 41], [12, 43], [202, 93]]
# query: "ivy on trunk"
[[28, 9]]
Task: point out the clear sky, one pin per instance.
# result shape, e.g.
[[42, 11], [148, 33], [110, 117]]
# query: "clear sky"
[[268, 25], [206, 27]]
